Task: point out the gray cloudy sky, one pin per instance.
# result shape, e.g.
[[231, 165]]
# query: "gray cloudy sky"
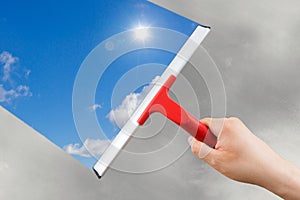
[[255, 45]]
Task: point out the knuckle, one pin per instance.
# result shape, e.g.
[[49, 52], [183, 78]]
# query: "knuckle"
[[194, 149], [233, 119], [227, 124]]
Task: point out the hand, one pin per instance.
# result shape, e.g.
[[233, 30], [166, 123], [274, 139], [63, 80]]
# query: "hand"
[[242, 156]]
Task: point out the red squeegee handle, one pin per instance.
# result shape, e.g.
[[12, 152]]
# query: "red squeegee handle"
[[163, 104]]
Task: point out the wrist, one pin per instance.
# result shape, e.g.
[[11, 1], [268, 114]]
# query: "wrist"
[[284, 180], [292, 185]]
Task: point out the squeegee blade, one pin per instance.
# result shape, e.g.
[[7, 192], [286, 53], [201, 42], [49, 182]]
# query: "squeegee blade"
[[175, 67], [115, 148]]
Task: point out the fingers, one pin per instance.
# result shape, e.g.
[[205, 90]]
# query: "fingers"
[[206, 121], [215, 125], [199, 149]]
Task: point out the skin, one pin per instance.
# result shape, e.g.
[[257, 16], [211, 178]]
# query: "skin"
[[243, 157]]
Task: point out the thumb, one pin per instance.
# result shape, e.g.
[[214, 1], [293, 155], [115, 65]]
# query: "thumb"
[[200, 149]]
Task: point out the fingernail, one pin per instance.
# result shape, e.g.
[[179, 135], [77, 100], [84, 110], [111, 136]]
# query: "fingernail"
[[190, 140]]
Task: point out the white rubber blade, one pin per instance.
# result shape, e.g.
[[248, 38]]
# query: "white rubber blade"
[[174, 68], [114, 148]]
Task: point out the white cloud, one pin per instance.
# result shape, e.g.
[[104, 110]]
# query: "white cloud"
[[95, 107], [122, 113], [89, 148], [27, 73], [7, 60], [8, 95], [9, 89]]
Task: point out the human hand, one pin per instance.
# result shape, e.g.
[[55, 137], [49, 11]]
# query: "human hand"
[[242, 156]]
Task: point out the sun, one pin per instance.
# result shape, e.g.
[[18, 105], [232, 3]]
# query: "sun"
[[141, 33]]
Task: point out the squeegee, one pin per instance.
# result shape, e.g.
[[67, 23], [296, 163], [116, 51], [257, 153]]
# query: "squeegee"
[[158, 100]]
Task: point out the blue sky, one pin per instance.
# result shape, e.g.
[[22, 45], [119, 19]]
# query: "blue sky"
[[43, 43]]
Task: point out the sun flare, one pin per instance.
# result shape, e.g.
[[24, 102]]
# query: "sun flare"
[[141, 33]]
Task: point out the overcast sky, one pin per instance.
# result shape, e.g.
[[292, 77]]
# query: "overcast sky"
[[255, 45]]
